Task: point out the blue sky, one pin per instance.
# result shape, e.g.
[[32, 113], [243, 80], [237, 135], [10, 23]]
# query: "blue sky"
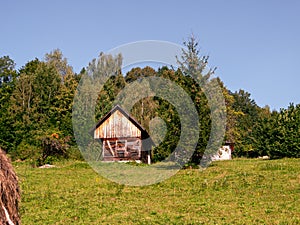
[[254, 44]]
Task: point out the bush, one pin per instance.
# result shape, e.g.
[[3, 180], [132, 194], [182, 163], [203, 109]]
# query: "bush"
[[25, 151], [53, 148], [74, 153]]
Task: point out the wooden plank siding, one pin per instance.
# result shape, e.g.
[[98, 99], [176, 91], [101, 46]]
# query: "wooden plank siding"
[[117, 126]]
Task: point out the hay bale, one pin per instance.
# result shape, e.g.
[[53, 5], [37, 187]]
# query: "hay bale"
[[9, 193]]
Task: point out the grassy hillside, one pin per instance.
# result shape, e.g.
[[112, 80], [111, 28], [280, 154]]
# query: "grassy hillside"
[[228, 192]]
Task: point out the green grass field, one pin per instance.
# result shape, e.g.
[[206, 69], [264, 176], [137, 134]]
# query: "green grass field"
[[229, 192]]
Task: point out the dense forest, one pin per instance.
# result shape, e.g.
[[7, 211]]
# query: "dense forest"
[[37, 100]]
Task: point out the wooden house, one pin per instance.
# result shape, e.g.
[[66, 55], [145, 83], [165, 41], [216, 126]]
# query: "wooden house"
[[122, 137]]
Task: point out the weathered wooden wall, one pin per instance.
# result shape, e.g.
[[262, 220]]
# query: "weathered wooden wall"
[[117, 125]]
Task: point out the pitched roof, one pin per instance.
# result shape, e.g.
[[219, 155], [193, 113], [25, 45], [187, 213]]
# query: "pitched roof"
[[126, 114]]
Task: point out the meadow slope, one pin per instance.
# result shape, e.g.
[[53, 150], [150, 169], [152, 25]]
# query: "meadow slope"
[[241, 191]]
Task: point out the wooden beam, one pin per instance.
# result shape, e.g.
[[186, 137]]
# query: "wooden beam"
[[110, 148]]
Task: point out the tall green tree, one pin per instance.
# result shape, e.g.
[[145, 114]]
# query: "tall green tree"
[[94, 97], [248, 114], [8, 76], [63, 100], [209, 96], [278, 135], [192, 63]]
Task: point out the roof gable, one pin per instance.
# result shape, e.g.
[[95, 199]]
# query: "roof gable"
[[118, 108], [117, 123]]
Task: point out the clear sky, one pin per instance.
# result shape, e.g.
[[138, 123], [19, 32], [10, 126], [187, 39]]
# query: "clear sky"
[[254, 43]]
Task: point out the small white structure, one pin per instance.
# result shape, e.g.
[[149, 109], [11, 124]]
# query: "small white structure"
[[224, 153]]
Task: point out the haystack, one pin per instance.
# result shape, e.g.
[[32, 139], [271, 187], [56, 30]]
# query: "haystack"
[[9, 193]]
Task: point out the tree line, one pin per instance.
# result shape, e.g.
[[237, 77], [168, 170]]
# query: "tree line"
[[37, 100]]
